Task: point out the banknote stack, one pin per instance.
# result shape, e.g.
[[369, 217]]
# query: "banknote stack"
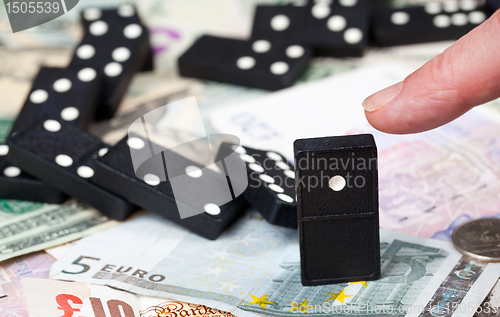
[[70, 260]]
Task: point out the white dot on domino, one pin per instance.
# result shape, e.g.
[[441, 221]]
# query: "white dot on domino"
[[290, 173], [256, 168], [4, 149], [194, 172], [85, 51], [92, 14], [294, 51], [283, 165], [62, 85], [135, 143], [274, 156], [70, 114], [266, 178], [102, 152], [276, 188], [468, 5], [212, 209], [126, 11], [64, 160], [286, 198], [121, 54], [247, 158], [336, 23], [85, 172], [348, 3], [239, 149], [353, 35], [87, 74], [261, 46], [113, 69], [477, 17], [39, 96], [432, 7], [459, 19], [279, 68], [320, 10], [12, 171], [245, 62], [151, 179], [400, 18], [132, 31], [52, 125], [441, 21], [98, 28], [280, 22], [450, 6]]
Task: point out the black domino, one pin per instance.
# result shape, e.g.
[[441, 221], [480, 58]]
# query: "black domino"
[[337, 197], [280, 22], [62, 94], [61, 155], [153, 190], [116, 44], [436, 21], [493, 4], [271, 184], [15, 184], [264, 63]]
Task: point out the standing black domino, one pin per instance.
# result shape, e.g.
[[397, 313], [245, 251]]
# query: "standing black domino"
[[271, 184], [61, 155], [280, 22], [115, 43], [154, 191], [61, 94], [14, 184], [436, 21], [337, 197], [260, 63]]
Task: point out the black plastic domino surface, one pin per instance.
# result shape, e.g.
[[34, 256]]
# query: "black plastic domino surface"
[[337, 197], [61, 155], [152, 191]]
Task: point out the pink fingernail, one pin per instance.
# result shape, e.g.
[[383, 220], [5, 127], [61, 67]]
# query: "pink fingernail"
[[382, 97]]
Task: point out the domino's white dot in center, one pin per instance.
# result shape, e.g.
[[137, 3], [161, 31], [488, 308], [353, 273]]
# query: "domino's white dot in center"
[[62, 85], [52, 125], [266, 178], [39, 96], [261, 46], [64, 160], [69, 113], [132, 31], [85, 51], [12, 171], [135, 143], [441, 21], [280, 22], [126, 10], [276, 188], [87, 74], [336, 23], [212, 209], [337, 183], [194, 171], [245, 62], [294, 51], [320, 10], [92, 14], [151, 179], [279, 68], [121, 54], [353, 35], [4, 150], [400, 18], [98, 28], [256, 167], [85, 172], [113, 69], [459, 19]]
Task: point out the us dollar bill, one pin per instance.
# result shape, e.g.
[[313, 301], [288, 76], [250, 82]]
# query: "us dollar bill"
[[69, 298], [254, 269]]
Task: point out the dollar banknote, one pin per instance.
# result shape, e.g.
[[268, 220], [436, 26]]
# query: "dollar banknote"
[[12, 301], [253, 268], [78, 299]]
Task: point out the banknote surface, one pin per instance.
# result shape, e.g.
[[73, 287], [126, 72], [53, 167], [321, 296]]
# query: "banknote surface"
[[254, 268], [68, 298]]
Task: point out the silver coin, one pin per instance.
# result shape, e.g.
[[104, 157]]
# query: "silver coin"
[[479, 239]]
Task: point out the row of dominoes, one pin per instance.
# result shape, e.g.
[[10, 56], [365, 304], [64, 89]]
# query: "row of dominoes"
[[285, 37]]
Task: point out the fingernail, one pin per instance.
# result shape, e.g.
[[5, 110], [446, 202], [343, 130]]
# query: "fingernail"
[[382, 97]]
